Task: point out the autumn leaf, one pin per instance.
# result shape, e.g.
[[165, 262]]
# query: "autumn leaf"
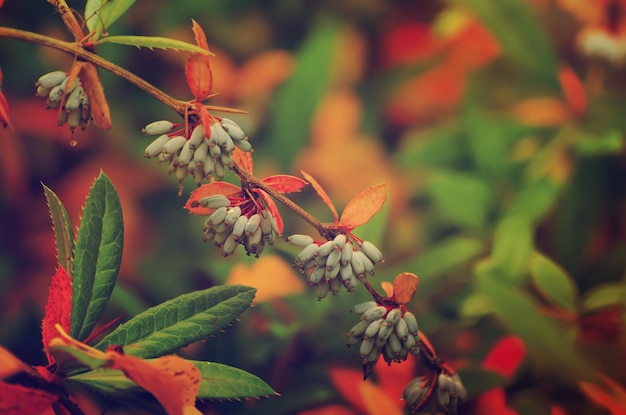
[[344, 380], [493, 402], [377, 402], [363, 206], [271, 206], [198, 68], [404, 287], [9, 364], [573, 91], [285, 183], [505, 356], [172, 380], [21, 400], [92, 85], [610, 395], [243, 159], [215, 188], [387, 288], [271, 275], [58, 309], [322, 193]]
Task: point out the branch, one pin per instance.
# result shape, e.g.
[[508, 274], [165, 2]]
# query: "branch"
[[74, 49]]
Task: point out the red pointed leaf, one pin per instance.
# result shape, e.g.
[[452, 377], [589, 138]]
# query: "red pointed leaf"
[[199, 76], [58, 309], [505, 356], [20, 400], [404, 287], [345, 380], [90, 80], [573, 91], [609, 394], [205, 118], [394, 378], [199, 35], [378, 402], [271, 206], [387, 288], [285, 183], [363, 206], [215, 188], [243, 159], [322, 193]]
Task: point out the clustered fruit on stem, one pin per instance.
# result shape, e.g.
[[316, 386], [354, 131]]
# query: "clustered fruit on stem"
[[203, 146]]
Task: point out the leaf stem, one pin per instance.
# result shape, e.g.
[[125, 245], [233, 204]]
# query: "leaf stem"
[[74, 49]]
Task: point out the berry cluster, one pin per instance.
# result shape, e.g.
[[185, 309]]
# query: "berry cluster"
[[449, 390], [72, 99], [390, 331], [331, 264], [203, 154], [229, 226]]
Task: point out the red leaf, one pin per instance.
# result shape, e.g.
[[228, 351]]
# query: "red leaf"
[[505, 356], [493, 402], [285, 183], [404, 287], [58, 309], [90, 80], [198, 68], [363, 206], [378, 402], [198, 35], [322, 193], [271, 206], [603, 325], [243, 159], [20, 400], [4, 105], [394, 378], [573, 90], [610, 394], [345, 380], [215, 188], [9, 364]]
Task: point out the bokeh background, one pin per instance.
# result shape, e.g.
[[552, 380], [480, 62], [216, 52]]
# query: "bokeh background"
[[498, 126]]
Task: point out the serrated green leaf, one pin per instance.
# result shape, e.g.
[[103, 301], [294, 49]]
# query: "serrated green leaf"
[[178, 322], [513, 248], [63, 234], [550, 343], [553, 282], [97, 257], [520, 35], [152, 42], [306, 87], [101, 14], [462, 198], [218, 382]]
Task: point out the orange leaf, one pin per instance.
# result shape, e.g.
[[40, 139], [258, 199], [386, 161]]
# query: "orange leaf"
[[271, 275], [394, 378], [388, 288], [285, 183], [271, 206], [198, 35], [20, 400], [215, 188], [198, 68], [363, 206], [90, 80], [344, 380], [378, 402], [573, 90], [243, 159], [58, 309], [610, 395], [505, 356], [322, 193], [172, 380], [404, 287], [541, 112], [9, 364]]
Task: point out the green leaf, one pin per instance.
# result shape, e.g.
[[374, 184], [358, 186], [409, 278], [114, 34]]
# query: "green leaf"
[[71, 359], [445, 256], [609, 144], [512, 248], [520, 35], [296, 101], [550, 344], [101, 14], [226, 382], [462, 198], [440, 146], [63, 234], [535, 199], [180, 321], [605, 295], [218, 382], [553, 282], [152, 42], [97, 257]]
